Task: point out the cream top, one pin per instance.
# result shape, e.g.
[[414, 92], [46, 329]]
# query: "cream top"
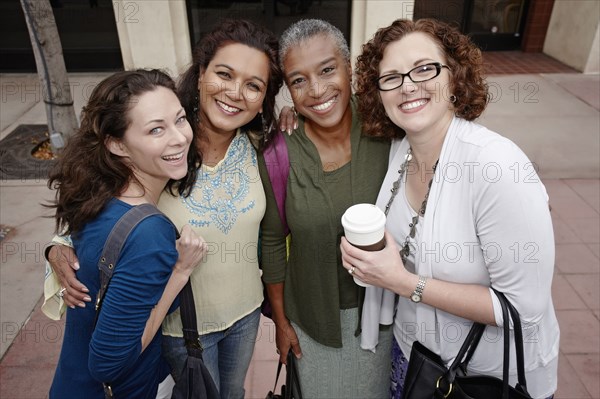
[[225, 207]]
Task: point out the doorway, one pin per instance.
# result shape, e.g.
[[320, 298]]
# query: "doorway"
[[494, 25]]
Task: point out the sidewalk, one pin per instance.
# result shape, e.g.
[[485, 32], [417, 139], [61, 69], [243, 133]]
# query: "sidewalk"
[[553, 118]]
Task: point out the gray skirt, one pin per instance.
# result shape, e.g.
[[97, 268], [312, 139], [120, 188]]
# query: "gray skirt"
[[347, 372]]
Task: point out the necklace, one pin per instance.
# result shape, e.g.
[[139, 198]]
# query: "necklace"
[[405, 251]]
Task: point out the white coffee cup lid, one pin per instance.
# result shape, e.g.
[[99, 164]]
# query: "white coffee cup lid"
[[364, 224]]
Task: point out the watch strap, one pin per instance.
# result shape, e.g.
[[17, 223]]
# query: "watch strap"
[[418, 293]]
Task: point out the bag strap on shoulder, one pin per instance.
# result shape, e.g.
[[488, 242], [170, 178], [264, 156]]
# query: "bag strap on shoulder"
[[111, 252], [278, 167], [114, 244]]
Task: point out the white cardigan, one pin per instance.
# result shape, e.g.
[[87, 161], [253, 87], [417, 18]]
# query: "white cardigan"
[[487, 222]]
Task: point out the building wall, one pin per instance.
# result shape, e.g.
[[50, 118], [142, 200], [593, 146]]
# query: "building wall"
[[370, 15], [153, 34], [572, 33], [593, 64], [572, 36]]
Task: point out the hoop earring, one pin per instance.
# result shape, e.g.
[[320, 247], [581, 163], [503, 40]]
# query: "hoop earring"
[[452, 98]]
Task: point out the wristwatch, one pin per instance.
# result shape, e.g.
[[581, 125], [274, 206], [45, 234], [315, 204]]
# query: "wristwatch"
[[418, 293]]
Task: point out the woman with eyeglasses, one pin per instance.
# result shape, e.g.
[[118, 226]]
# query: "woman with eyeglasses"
[[466, 211]]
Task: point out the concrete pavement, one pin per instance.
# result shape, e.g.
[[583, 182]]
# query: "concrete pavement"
[[554, 118]]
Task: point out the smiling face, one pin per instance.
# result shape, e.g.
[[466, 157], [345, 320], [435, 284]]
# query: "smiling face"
[[232, 88], [157, 140], [319, 80], [417, 107]]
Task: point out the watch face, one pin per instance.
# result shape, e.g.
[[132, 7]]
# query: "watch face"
[[415, 297]]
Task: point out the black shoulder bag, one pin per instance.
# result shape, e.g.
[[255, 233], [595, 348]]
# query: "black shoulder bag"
[[195, 381], [291, 389], [427, 377]]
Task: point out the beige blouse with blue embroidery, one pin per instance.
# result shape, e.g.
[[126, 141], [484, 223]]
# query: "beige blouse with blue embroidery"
[[225, 207]]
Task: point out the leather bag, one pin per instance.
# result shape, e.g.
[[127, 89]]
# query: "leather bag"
[[427, 376], [291, 389], [454, 386], [195, 381]]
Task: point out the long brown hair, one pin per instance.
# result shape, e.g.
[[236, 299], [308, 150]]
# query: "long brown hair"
[[462, 56], [87, 174], [227, 32]]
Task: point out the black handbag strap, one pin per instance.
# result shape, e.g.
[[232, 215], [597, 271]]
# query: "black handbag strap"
[[292, 378], [114, 244], [187, 310], [506, 354], [520, 353], [470, 344], [463, 357], [277, 376]]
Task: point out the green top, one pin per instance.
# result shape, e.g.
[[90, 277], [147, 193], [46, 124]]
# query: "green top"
[[315, 281]]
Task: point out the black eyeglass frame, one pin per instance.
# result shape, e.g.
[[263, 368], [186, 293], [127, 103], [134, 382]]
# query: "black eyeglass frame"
[[438, 67]]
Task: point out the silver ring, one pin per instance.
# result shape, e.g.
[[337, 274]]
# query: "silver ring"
[[351, 271], [61, 293]]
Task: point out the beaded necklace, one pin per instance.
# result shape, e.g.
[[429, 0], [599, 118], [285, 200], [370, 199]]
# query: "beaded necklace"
[[405, 251]]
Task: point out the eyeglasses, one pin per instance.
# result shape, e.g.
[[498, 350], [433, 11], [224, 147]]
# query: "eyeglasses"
[[422, 73]]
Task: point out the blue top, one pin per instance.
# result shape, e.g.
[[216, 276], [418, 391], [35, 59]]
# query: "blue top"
[[111, 352]]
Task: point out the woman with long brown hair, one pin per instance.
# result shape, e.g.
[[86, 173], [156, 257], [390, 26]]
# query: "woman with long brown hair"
[[134, 139], [229, 96]]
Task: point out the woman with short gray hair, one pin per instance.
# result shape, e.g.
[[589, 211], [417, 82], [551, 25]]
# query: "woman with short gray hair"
[[315, 301]]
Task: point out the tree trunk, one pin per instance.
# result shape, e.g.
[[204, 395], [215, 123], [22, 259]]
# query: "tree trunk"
[[51, 70]]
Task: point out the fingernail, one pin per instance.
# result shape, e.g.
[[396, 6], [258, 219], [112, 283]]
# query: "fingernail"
[[85, 289], [81, 305], [72, 306], [76, 266], [289, 132], [295, 125], [87, 299]]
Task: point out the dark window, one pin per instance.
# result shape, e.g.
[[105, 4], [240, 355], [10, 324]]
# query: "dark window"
[[274, 14], [492, 24], [87, 30]]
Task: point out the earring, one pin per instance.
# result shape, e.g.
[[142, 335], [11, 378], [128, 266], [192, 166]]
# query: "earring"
[[452, 98], [196, 109], [265, 128]]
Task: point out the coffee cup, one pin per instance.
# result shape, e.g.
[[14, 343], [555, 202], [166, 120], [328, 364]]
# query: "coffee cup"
[[364, 227]]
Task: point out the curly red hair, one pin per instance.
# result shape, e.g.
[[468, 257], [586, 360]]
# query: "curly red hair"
[[462, 57]]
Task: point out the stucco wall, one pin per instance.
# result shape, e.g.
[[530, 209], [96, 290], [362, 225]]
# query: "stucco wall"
[[593, 64], [370, 15], [153, 34], [572, 32]]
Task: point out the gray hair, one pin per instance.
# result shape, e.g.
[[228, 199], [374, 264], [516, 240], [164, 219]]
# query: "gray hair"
[[306, 29]]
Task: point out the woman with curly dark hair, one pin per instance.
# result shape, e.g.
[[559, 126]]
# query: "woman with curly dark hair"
[[228, 94], [466, 211], [134, 138]]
